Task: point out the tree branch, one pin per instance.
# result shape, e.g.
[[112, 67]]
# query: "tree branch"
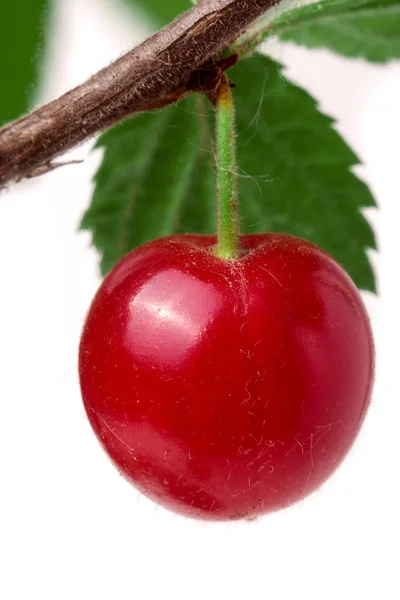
[[156, 73]]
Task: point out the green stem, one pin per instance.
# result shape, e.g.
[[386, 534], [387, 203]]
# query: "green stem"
[[228, 220]]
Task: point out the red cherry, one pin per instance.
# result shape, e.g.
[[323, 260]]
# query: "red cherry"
[[227, 389]]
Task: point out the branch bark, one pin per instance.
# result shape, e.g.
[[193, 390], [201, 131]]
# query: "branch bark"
[[154, 74]]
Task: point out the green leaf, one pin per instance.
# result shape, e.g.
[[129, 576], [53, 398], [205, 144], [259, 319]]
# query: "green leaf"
[[296, 169], [159, 12], [20, 50], [367, 29], [157, 175]]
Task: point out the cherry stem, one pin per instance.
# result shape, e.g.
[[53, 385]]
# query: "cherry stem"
[[228, 219]]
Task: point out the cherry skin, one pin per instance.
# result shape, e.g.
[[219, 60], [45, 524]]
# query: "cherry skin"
[[225, 389]]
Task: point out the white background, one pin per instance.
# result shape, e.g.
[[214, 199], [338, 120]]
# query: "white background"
[[70, 526]]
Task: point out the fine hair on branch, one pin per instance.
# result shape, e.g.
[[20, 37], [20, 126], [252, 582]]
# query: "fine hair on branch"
[[156, 73]]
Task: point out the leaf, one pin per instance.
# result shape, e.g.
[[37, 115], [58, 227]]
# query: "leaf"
[[157, 175], [367, 29], [20, 50], [296, 169], [159, 12]]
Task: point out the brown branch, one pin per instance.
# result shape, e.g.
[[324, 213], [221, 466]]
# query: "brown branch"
[[156, 73]]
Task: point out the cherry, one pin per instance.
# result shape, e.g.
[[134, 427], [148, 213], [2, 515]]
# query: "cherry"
[[225, 389]]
